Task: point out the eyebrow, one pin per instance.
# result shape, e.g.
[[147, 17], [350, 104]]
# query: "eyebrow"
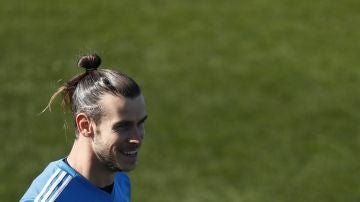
[[143, 119]]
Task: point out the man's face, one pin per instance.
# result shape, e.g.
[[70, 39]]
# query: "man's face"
[[119, 134]]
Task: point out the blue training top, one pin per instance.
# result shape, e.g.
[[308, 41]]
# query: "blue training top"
[[60, 182]]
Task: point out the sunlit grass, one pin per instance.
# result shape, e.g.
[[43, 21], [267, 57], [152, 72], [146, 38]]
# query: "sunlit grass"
[[248, 101]]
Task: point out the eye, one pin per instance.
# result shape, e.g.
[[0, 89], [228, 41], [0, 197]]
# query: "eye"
[[122, 127]]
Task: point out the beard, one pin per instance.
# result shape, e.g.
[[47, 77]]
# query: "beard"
[[111, 157], [106, 154], [109, 161]]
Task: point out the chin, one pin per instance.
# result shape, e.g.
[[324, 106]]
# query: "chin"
[[127, 168]]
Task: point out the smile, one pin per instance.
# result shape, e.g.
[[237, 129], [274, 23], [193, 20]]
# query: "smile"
[[130, 153]]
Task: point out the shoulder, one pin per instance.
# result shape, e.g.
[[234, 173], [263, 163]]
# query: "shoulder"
[[122, 175], [122, 187], [49, 184], [122, 178]]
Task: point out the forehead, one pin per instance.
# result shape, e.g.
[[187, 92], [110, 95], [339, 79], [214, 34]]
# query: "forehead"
[[116, 107]]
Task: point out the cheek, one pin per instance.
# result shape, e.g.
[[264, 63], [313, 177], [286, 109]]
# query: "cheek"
[[142, 134], [105, 140], [105, 148], [142, 131], [99, 146], [108, 135]]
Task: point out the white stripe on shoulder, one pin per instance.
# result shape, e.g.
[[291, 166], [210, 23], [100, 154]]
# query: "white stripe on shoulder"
[[61, 188], [47, 184], [53, 186]]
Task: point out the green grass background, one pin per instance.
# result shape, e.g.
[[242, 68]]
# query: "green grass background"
[[248, 101]]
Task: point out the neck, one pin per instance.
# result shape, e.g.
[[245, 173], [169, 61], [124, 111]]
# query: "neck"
[[85, 162]]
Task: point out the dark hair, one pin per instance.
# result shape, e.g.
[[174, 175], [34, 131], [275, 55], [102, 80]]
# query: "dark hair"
[[82, 93]]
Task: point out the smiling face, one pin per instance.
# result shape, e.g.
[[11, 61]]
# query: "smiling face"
[[120, 131]]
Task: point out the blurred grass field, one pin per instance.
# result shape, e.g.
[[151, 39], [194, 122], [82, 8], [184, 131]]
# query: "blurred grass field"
[[248, 101]]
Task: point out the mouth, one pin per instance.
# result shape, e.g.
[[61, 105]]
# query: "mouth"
[[132, 153]]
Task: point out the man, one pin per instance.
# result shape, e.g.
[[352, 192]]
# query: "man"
[[109, 112]]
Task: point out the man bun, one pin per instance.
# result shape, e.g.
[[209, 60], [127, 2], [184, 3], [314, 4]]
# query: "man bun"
[[89, 62]]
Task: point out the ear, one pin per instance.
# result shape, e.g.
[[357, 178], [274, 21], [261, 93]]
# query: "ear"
[[83, 124]]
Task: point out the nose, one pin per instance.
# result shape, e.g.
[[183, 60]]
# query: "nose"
[[136, 137]]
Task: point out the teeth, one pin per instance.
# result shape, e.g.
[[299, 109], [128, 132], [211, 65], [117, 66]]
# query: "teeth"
[[130, 152]]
